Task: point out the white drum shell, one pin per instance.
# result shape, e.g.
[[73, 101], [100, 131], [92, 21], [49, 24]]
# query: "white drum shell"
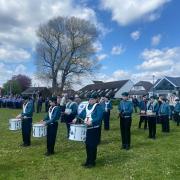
[[81, 106], [77, 132], [14, 124], [39, 130]]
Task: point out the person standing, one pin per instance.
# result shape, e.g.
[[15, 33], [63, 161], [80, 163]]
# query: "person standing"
[[70, 113], [135, 103], [152, 108], [39, 104], [143, 108], [92, 116], [177, 111], [125, 109], [26, 117], [107, 107], [51, 121], [164, 113]]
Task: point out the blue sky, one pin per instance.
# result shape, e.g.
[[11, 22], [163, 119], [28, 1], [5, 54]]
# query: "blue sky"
[[139, 38]]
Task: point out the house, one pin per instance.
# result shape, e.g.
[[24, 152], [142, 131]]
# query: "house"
[[166, 86], [113, 89], [36, 91], [141, 88]]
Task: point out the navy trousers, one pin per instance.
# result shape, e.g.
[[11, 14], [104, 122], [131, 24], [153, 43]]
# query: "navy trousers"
[[106, 117], [26, 131], [51, 136], [125, 126]]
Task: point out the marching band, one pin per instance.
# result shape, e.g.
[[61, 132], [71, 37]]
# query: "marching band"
[[84, 120]]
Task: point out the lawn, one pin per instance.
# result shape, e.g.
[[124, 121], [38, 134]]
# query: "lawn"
[[148, 159]]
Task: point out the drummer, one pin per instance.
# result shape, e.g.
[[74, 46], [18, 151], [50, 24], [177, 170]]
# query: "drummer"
[[92, 116], [70, 113], [153, 106], [51, 121], [26, 117]]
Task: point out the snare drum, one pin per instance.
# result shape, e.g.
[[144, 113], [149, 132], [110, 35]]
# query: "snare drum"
[[39, 130], [14, 124], [77, 132]]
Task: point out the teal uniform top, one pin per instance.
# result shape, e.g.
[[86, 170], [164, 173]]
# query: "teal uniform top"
[[177, 107], [125, 107], [96, 115], [73, 106], [153, 106], [108, 106], [164, 109], [56, 112], [28, 111]]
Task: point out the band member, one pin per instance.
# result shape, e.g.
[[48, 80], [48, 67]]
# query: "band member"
[[164, 113], [92, 116], [153, 107], [125, 109], [26, 117], [51, 121], [135, 103], [177, 111], [70, 113], [47, 105], [107, 107], [143, 108], [39, 104]]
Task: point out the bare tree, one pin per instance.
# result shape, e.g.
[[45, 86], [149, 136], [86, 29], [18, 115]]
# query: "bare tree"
[[65, 50]]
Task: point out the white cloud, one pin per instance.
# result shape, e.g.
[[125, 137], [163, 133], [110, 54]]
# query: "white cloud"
[[159, 62], [156, 40], [117, 50], [13, 55], [20, 69], [128, 11], [97, 46], [135, 35], [101, 57]]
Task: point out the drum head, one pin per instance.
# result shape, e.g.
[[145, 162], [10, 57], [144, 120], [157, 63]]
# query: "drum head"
[[38, 125]]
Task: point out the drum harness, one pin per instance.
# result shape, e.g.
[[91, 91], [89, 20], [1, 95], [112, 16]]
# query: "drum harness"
[[88, 115], [51, 111], [24, 110]]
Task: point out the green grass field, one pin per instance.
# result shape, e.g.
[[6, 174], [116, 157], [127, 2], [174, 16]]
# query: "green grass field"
[[148, 159]]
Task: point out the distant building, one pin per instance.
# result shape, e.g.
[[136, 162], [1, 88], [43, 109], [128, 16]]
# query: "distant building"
[[166, 87], [113, 89], [141, 88], [69, 92], [37, 91]]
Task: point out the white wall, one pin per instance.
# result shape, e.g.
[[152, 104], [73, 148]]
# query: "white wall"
[[126, 88]]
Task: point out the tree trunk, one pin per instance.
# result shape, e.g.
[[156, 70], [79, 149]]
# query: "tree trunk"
[[54, 86]]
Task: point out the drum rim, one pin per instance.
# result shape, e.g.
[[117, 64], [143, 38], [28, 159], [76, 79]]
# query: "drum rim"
[[14, 119], [38, 125]]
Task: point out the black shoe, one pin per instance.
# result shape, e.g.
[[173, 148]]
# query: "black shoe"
[[127, 147], [90, 165], [84, 164], [24, 145], [49, 153]]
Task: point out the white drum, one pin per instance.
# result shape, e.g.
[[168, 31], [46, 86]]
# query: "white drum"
[[77, 132], [149, 112], [81, 106], [14, 124], [39, 130]]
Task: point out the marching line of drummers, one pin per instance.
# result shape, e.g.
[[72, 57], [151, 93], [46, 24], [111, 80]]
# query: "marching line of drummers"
[[84, 121]]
